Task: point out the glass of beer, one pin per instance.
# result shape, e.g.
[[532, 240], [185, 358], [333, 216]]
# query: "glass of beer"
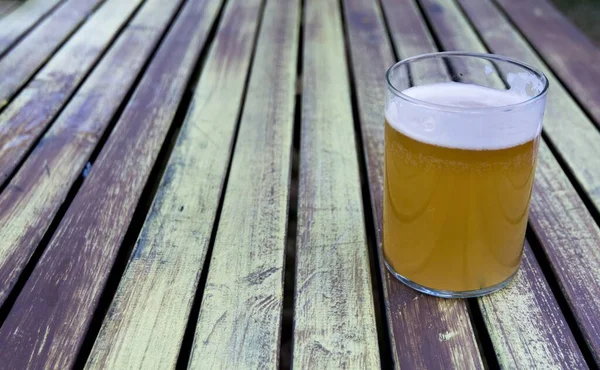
[[461, 138]]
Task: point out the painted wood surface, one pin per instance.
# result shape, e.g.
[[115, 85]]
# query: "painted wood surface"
[[240, 316], [7, 6], [566, 125], [572, 56], [34, 195], [21, 62], [566, 229], [570, 239], [416, 321], [526, 326], [60, 296], [22, 16], [334, 319], [149, 313], [34, 108]]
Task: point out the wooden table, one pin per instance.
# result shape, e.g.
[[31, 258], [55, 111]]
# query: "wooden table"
[[198, 183]]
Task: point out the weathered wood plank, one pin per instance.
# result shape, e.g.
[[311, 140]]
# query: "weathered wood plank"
[[565, 124], [21, 62], [570, 239], [416, 321], [334, 321], [552, 191], [22, 17], [240, 316], [572, 56], [150, 310], [60, 296], [28, 115], [526, 325], [34, 195]]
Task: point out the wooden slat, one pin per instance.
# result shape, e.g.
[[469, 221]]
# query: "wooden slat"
[[240, 317], [526, 325], [64, 289], [34, 195], [567, 231], [18, 65], [28, 115], [570, 239], [150, 310], [23, 16], [334, 320], [455, 33], [7, 6], [565, 124], [572, 56], [416, 322]]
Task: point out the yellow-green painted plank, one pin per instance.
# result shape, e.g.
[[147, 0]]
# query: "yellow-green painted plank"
[[149, 313], [334, 321], [240, 316]]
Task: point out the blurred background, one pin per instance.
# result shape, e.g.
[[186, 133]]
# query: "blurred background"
[[585, 14]]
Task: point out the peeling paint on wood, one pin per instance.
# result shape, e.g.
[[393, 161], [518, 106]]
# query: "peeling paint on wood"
[[148, 316], [572, 56], [21, 62], [334, 320], [22, 17], [32, 198], [37, 104], [415, 320], [63, 291], [567, 126], [240, 316]]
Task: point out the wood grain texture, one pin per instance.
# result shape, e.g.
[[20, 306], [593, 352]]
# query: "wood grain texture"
[[416, 321], [526, 325], [148, 316], [572, 56], [18, 65], [32, 198], [570, 239], [29, 114], [240, 316], [60, 296], [455, 33], [22, 17], [565, 124], [334, 319]]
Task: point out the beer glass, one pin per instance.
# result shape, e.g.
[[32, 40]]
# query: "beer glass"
[[461, 138]]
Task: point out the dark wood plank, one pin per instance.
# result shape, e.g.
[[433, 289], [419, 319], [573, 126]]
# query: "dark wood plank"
[[553, 195], [416, 321], [34, 195], [149, 313], [572, 56], [21, 62], [32, 110], [60, 296], [334, 320], [20, 17], [240, 318]]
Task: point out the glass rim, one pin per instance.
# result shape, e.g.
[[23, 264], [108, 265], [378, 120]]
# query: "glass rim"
[[492, 57]]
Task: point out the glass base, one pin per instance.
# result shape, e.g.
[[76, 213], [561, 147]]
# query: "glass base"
[[450, 293]]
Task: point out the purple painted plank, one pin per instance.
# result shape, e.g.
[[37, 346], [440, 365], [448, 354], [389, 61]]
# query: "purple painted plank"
[[416, 321], [34, 195], [60, 297], [572, 56], [18, 65]]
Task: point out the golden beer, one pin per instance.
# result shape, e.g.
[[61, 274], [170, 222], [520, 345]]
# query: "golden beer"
[[456, 199]]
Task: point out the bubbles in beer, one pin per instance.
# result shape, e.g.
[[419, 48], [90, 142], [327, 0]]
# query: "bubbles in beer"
[[454, 117]]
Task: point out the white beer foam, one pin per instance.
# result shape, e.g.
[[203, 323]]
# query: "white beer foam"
[[461, 128]]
